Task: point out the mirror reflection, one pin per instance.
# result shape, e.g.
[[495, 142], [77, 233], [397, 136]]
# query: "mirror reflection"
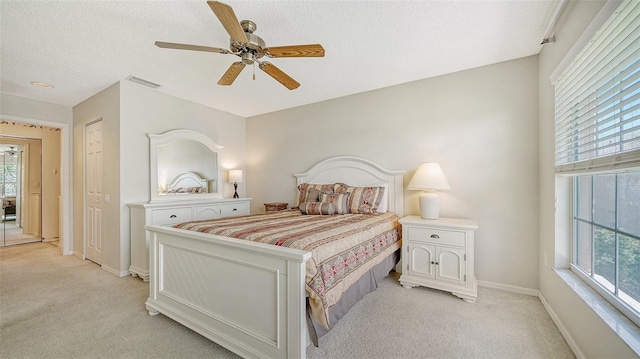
[[184, 163], [186, 166]]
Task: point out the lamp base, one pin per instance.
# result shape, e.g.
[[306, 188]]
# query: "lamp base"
[[235, 188], [430, 205]]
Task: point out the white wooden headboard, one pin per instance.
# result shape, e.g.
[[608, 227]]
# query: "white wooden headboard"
[[356, 171], [187, 180]]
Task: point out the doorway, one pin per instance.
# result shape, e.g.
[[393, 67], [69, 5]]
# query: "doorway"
[[20, 190]]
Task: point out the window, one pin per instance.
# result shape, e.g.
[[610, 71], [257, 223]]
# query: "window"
[[607, 234], [8, 182], [597, 114]]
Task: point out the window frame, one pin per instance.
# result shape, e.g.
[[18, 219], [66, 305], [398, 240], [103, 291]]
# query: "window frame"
[[597, 63], [626, 309]]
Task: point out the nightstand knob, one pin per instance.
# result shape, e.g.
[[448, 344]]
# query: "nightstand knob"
[[432, 262], [435, 236]]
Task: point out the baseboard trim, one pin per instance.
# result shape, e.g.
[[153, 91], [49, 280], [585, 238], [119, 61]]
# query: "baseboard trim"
[[115, 272], [565, 333], [78, 254], [509, 288]]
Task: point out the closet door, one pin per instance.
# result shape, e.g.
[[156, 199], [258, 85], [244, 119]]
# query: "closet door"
[[93, 191]]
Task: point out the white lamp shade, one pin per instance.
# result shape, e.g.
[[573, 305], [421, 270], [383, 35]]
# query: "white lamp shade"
[[428, 176], [235, 176]]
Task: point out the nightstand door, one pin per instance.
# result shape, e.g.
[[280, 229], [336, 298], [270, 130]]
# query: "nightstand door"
[[421, 260], [451, 264]]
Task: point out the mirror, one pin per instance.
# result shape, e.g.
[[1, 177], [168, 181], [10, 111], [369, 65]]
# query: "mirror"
[[184, 166]]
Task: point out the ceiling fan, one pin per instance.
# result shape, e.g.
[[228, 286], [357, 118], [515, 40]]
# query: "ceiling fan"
[[12, 152], [249, 47]]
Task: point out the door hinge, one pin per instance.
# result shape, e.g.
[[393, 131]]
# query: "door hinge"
[[465, 277], [465, 257]]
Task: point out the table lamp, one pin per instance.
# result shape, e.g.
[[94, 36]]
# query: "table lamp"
[[235, 177], [429, 178]]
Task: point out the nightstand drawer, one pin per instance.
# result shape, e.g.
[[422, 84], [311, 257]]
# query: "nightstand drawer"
[[437, 236], [171, 216]]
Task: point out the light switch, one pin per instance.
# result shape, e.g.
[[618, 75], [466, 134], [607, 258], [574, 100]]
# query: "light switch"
[[106, 198]]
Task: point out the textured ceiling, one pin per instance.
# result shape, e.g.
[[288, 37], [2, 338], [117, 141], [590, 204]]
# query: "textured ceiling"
[[82, 47]]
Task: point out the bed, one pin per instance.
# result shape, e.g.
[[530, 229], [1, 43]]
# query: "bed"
[[193, 274]]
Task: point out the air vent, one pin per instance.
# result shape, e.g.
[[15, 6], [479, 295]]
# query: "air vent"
[[142, 82]]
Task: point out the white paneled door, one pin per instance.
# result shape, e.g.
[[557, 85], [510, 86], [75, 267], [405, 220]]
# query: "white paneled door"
[[94, 193]]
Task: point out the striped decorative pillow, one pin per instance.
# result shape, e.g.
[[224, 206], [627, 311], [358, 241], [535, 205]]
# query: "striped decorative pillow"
[[303, 191], [317, 208], [339, 200], [362, 199]]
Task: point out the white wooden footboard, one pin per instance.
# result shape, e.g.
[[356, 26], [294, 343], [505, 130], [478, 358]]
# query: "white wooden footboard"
[[248, 297]]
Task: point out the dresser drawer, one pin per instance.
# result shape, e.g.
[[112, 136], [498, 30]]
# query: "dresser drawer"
[[206, 212], [234, 209], [171, 215], [437, 236]]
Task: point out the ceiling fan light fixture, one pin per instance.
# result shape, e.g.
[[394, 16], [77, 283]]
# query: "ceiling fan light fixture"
[[248, 58], [12, 152]]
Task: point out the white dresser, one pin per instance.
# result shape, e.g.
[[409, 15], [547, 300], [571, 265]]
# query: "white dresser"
[[169, 213], [439, 254]]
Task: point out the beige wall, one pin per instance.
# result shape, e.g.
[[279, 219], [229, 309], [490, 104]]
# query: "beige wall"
[[591, 335], [104, 106], [480, 125], [35, 110], [145, 111], [129, 112]]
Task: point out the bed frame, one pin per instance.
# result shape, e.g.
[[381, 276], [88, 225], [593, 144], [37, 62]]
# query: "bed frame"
[[248, 297]]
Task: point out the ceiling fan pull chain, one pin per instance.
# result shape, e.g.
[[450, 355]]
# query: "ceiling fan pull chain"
[[254, 71]]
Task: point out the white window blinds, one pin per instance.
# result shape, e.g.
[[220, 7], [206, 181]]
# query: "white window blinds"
[[598, 99]]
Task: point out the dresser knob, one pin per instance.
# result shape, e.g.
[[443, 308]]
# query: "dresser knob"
[[435, 236], [173, 216], [235, 209]]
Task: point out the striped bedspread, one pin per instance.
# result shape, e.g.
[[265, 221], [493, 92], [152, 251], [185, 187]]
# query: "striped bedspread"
[[343, 247]]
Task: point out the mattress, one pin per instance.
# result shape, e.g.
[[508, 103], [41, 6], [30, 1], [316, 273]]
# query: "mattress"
[[343, 247]]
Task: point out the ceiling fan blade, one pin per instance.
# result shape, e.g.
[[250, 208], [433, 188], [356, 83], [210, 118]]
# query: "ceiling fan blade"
[[232, 73], [229, 21], [314, 50], [172, 45], [280, 76]]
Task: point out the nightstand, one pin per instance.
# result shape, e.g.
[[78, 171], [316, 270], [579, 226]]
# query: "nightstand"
[[439, 254], [275, 206]]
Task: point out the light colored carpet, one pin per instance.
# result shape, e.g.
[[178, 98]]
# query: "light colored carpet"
[[12, 234], [63, 307]]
